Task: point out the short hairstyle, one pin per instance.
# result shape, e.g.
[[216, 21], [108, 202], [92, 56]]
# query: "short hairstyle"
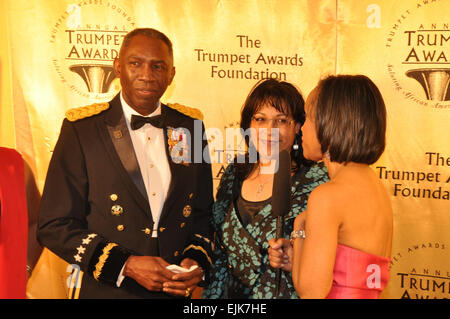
[[350, 117], [285, 98], [149, 32]]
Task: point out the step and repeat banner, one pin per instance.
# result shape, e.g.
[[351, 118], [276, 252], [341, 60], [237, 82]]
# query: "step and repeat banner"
[[404, 46], [56, 55]]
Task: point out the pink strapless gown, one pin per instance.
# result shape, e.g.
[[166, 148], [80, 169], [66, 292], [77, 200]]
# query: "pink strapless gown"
[[358, 275]]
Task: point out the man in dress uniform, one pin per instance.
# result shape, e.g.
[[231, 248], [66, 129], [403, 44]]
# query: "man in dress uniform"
[[123, 198]]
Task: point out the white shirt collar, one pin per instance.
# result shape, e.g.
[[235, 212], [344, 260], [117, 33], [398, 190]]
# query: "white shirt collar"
[[128, 110]]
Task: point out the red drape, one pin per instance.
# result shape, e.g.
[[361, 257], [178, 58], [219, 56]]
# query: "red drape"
[[13, 225]]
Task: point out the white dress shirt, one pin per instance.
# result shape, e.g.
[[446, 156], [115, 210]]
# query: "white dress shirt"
[[149, 147]]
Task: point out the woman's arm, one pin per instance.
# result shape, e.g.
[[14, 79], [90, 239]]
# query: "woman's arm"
[[314, 256]]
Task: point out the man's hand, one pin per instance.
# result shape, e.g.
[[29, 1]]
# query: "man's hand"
[[183, 284], [280, 254], [150, 272]]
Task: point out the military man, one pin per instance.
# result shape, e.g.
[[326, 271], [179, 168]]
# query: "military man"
[[123, 198]]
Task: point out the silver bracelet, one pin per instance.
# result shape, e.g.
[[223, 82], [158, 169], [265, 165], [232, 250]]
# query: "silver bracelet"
[[298, 234]]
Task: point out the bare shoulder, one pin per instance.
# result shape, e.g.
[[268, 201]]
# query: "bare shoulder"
[[326, 193], [323, 202]]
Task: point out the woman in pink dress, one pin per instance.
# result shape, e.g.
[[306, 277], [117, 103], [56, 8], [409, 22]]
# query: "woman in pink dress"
[[341, 244]]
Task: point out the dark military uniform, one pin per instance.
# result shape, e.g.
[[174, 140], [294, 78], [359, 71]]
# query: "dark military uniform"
[[95, 212]]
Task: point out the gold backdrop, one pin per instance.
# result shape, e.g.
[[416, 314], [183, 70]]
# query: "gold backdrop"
[[56, 55]]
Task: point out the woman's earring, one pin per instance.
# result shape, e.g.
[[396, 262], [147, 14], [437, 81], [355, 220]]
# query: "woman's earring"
[[296, 145], [327, 155]]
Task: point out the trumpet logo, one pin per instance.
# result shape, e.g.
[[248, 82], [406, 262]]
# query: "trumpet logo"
[[86, 39], [419, 59], [435, 82], [98, 78]]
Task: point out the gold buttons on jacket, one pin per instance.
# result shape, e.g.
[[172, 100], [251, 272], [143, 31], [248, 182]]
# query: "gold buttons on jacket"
[[147, 231], [113, 197], [120, 227], [176, 253], [116, 210], [161, 229], [187, 210], [191, 195], [182, 225]]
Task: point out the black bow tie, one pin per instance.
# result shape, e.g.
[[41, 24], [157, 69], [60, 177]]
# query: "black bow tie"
[[139, 121]]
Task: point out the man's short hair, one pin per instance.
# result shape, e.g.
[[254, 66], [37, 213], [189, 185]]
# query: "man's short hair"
[[149, 32], [350, 117]]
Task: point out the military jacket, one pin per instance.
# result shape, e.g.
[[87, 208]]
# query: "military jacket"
[[95, 212]]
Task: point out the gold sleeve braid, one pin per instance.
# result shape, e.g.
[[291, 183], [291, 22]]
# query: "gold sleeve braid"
[[102, 259], [189, 111], [199, 249], [79, 113]]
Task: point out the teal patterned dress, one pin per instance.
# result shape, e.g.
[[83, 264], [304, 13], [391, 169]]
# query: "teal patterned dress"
[[241, 262]]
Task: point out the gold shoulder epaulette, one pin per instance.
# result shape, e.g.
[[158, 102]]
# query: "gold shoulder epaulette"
[[79, 113], [189, 111]]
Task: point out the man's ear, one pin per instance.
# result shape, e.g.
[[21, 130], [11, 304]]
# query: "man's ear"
[[117, 67], [172, 75]]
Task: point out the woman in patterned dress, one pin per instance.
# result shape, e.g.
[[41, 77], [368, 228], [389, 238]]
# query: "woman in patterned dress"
[[271, 119]]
